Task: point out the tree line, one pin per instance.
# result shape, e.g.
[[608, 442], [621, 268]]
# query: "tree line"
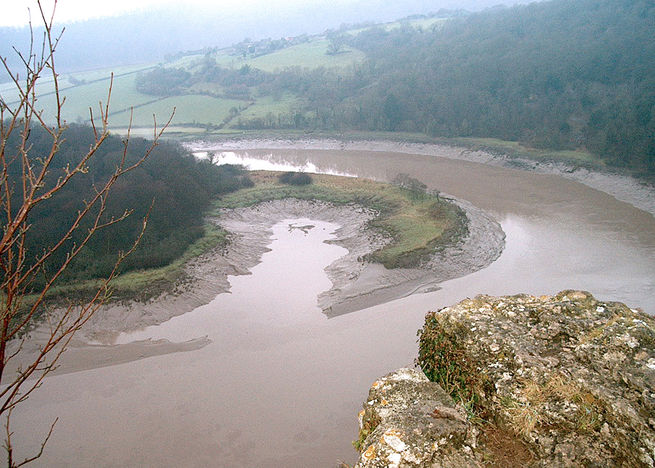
[[171, 187]]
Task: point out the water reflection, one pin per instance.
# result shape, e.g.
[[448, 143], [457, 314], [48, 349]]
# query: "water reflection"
[[266, 162]]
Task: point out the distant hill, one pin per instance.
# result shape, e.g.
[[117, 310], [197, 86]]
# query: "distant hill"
[[149, 36]]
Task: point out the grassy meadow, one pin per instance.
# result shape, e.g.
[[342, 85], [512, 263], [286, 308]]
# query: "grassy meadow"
[[516, 149], [261, 107], [308, 55], [189, 110]]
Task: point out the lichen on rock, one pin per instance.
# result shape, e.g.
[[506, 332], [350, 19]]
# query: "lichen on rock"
[[409, 421], [569, 378]]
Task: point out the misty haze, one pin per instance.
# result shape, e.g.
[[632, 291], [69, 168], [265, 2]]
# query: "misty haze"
[[328, 234]]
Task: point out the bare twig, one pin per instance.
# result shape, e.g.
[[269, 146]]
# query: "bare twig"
[[33, 189]]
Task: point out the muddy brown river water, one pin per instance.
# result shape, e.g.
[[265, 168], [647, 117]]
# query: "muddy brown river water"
[[280, 384]]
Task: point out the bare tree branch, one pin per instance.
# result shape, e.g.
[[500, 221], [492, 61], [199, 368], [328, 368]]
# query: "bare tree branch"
[[18, 198]]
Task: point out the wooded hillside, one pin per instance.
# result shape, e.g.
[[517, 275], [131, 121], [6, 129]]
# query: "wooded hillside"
[[176, 185]]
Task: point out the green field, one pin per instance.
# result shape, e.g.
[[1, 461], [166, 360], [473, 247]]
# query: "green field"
[[188, 61], [11, 95], [103, 73], [90, 88], [189, 109], [123, 96], [225, 60], [424, 23], [309, 55], [79, 98], [262, 106]]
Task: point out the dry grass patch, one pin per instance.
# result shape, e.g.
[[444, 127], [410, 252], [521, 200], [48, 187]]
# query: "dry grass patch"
[[535, 404]]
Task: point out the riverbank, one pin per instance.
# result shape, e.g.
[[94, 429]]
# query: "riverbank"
[[357, 282], [623, 187]]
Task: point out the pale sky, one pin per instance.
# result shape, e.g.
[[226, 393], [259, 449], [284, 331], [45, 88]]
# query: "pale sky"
[[15, 12]]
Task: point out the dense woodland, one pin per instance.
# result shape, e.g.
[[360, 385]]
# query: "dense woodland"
[[560, 74], [176, 185]]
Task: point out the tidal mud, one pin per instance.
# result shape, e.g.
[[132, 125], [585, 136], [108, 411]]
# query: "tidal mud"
[[356, 284]]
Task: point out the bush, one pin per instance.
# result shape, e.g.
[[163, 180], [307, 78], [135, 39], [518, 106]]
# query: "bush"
[[295, 178], [443, 357]]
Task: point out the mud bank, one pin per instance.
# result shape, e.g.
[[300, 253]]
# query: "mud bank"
[[622, 187], [356, 284]]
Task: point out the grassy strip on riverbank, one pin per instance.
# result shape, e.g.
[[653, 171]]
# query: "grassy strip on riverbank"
[[419, 223], [514, 149], [142, 284]]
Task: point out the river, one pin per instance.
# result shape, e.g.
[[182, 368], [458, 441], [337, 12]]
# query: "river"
[[281, 385]]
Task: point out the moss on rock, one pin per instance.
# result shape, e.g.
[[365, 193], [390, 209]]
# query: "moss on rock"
[[560, 372], [562, 380]]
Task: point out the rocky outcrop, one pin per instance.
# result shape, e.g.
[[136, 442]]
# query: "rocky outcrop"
[[408, 420], [562, 380]]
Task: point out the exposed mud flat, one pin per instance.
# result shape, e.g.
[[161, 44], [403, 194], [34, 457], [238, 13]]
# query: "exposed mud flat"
[[356, 284], [622, 187]]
